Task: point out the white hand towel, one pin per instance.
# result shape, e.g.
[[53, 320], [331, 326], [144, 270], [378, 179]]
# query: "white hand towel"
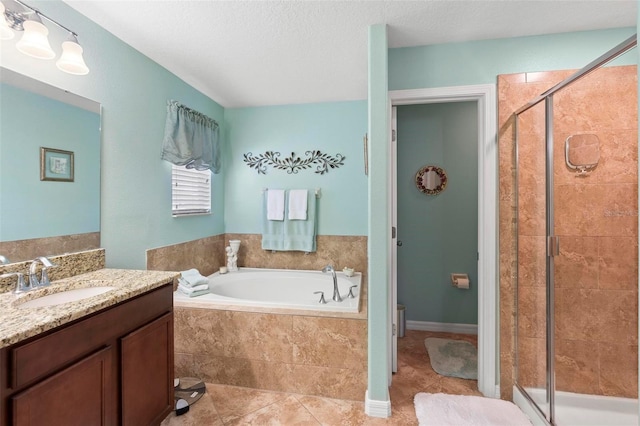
[[189, 290], [298, 204], [193, 277], [275, 204]]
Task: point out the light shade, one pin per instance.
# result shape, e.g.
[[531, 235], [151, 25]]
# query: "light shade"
[[5, 32], [71, 60], [34, 42]]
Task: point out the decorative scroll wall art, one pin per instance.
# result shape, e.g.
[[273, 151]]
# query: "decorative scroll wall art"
[[293, 164]]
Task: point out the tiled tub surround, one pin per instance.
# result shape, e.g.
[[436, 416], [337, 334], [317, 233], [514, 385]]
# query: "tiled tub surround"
[[300, 353], [312, 353], [208, 255], [338, 250], [17, 324], [68, 265], [596, 219], [205, 254], [22, 250]]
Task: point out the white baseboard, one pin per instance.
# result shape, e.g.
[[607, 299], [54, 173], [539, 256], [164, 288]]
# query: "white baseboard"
[[442, 327], [375, 408]]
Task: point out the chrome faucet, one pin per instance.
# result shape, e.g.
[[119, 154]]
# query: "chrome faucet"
[[336, 294], [21, 287], [33, 273]]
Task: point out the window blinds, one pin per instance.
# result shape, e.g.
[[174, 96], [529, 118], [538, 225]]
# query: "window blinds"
[[190, 191]]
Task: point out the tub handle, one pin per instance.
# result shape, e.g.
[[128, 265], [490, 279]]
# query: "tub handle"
[[321, 293], [351, 295]]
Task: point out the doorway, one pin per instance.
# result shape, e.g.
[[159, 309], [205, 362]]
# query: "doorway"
[[438, 223], [487, 256]]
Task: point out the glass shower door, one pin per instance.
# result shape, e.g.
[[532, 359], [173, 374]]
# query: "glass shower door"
[[595, 186], [532, 372]]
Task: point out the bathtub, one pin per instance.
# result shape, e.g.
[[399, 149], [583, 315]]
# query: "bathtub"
[[276, 288]]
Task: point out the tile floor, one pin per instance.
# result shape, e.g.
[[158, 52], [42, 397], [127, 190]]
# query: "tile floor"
[[229, 405]]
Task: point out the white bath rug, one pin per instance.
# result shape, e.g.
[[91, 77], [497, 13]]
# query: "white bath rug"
[[438, 409]]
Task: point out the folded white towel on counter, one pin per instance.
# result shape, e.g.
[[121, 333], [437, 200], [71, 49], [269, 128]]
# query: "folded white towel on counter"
[[190, 290], [298, 204], [192, 277], [275, 204]]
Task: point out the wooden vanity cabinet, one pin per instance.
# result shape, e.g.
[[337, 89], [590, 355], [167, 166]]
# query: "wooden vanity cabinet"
[[114, 367]]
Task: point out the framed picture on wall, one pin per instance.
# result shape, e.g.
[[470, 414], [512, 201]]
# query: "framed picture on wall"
[[56, 165]]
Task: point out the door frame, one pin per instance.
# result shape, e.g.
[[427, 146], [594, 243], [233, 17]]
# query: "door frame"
[[488, 333]]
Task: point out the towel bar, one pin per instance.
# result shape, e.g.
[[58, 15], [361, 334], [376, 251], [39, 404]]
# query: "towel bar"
[[318, 191]]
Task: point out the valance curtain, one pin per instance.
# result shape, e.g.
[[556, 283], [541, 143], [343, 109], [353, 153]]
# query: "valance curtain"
[[191, 139]]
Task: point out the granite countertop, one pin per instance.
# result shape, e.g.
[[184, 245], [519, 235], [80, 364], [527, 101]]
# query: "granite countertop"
[[17, 324]]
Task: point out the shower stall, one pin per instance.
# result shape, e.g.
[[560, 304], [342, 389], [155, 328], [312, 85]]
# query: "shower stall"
[[576, 297]]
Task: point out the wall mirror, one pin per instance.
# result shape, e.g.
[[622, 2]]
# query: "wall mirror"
[[47, 217], [431, 180], [582, 152]]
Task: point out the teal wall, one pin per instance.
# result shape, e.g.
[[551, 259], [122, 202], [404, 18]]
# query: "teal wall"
[[31, 208], [479, 62], [332, 128], [133, 91], [439, 233]]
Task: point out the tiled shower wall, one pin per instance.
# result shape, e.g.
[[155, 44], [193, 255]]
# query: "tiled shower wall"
[[307, 354], [596, 272]]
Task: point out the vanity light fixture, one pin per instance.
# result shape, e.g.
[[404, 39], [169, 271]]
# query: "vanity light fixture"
[[34, 41]]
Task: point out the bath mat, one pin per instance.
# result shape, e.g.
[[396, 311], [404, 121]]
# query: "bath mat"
[[438, 409], [453, 358]]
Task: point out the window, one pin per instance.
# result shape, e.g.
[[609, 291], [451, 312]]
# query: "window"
[[190, 191]]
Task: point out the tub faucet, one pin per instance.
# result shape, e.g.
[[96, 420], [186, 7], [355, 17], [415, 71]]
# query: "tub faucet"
[[33, 277], [336, 294]]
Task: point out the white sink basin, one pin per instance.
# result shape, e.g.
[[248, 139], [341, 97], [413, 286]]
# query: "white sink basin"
[[65, 297]]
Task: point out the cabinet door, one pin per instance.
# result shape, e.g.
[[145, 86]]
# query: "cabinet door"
[[79, 395], [147, 373]]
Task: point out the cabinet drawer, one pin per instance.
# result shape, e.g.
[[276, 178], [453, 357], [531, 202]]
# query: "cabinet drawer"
[[44, 355]]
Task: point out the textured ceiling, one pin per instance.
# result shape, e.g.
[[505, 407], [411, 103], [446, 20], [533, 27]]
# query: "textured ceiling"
[[250, 53]]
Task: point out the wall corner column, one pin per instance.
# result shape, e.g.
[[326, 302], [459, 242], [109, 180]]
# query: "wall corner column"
[[377, 401]]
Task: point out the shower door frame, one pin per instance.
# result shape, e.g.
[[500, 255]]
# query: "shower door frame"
[[552, 245]]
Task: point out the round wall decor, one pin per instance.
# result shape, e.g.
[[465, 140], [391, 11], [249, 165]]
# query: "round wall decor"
[[431, 180]]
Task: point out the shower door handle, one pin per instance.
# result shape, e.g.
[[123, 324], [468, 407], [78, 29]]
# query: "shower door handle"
[[553, 246]]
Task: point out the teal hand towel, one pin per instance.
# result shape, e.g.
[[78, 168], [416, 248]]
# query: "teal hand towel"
[[198, 293], [300, 235]]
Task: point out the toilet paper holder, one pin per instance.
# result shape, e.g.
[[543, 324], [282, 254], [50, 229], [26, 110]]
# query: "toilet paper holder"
[[456, 277]]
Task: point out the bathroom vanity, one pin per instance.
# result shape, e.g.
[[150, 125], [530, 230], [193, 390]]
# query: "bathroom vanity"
[[103, 360]]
